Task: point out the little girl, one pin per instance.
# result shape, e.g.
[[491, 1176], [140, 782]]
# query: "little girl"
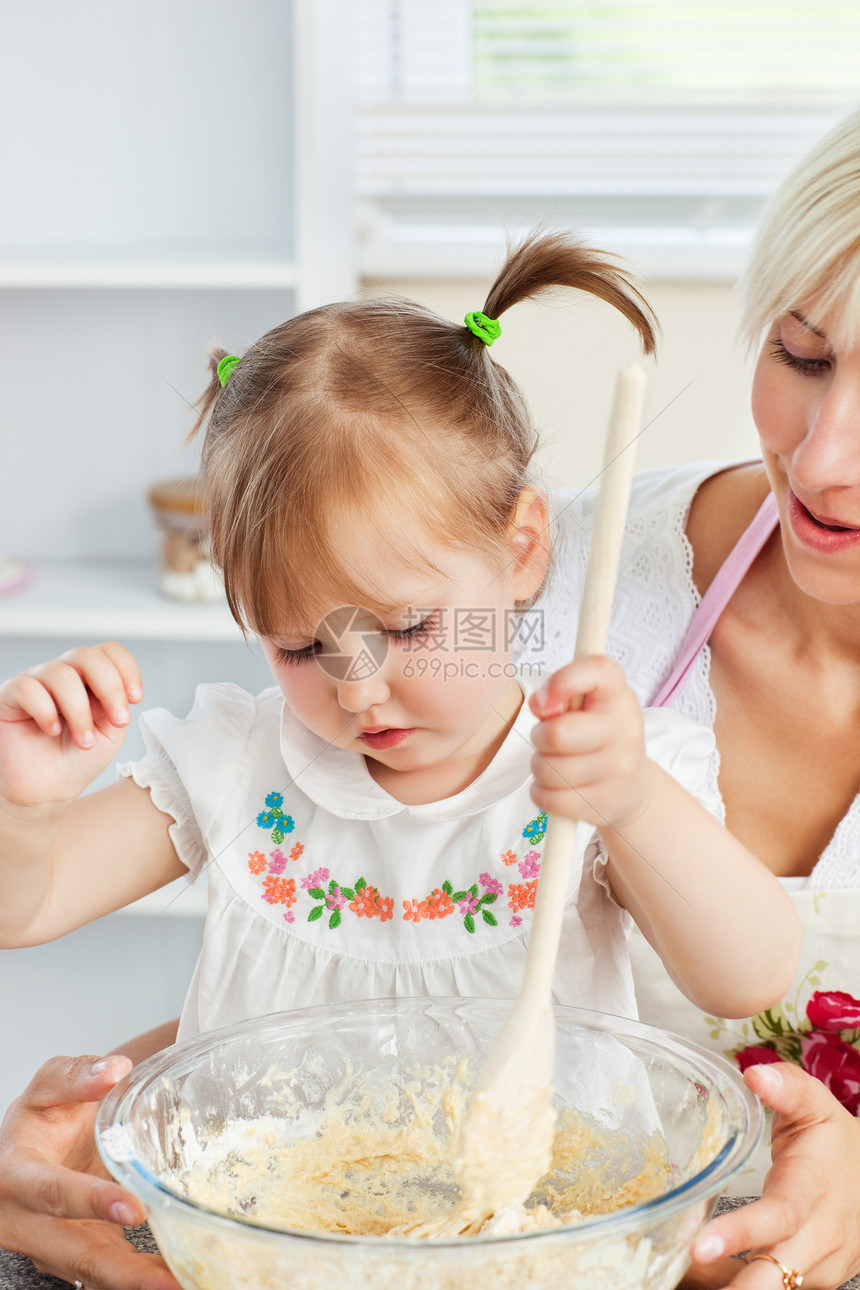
[[368, 827]]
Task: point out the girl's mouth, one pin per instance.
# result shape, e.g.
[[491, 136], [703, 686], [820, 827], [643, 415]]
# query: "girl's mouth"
[[819, 532], [379, 739]]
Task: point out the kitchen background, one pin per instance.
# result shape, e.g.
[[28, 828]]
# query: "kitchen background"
[[176, 172]]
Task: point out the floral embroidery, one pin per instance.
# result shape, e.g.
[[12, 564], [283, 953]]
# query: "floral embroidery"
[[491, 884], [536, 829], [824, 1039], [529, 866], [521, 895], [279, 891], [256, 861], [437, 905], [275, 819], [369, 904], [333, 899], [277, 861], [444, 901], [316, 879]]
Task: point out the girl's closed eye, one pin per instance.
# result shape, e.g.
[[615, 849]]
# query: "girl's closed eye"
[[401, 635], [292, 657], [417, 632]]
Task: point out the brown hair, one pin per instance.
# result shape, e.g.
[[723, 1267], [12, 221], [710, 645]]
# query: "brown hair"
[[382, 409]]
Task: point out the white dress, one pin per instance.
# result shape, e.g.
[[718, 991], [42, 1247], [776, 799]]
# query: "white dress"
[[324, 888], [817, 1025]]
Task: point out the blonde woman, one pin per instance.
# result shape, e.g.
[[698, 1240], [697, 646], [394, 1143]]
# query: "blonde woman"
[[739, 605]]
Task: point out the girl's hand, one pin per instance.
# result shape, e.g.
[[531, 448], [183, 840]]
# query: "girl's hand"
[[809, 1215], [57, 1205], [590, 761], [61, 723]]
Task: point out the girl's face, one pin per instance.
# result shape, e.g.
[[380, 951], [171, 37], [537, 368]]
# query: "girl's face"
[[427, 694], [806, 405]]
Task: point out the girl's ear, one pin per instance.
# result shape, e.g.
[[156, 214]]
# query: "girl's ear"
[[528, 536]]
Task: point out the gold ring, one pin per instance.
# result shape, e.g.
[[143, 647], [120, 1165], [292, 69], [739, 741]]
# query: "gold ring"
[[791, 1278]]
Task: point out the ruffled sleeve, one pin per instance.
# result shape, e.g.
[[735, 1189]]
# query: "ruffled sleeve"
[[189, 761]]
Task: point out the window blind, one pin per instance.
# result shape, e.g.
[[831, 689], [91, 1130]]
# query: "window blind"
[[662, 122]]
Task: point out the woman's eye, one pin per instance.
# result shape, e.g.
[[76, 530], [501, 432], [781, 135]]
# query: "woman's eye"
[[811, 366], [294, 656], [418, 632]]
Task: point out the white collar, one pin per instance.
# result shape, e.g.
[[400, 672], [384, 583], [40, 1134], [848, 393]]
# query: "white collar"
[[338, 780]]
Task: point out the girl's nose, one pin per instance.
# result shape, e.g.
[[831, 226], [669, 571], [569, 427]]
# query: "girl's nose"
[[359, 693]]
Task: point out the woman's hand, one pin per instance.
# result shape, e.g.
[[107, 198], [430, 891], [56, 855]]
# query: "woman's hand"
[[590, 761], [809, 1215], [57, 1205], [62, 722]]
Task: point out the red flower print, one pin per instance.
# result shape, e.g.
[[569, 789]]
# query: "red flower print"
[[509, 857], [386, 909], [833, 1010], [256, 861], [297, 850], [279, 891], [756, 1055], [836, 1064], [521, 895], [412, 911]]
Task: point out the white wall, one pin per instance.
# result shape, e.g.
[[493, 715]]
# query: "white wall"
[[565, 355]]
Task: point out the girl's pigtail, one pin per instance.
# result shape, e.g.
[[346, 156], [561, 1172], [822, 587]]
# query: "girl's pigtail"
[[550, 260], [210, 395]]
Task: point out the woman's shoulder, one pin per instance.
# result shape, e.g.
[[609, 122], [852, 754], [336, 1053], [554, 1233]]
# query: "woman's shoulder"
[[655, 492], [721, 509]]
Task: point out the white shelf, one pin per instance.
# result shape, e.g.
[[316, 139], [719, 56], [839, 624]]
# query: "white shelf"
[[109, 599], [133, 274]]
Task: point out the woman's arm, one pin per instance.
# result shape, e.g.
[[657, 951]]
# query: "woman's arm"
[[725, 929], [57, 1205]]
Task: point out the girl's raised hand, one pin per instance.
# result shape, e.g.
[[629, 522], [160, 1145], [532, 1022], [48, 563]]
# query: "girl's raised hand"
[[590, 762], [62, 722]]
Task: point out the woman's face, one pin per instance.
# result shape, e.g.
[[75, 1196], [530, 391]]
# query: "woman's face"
[[806, 405]]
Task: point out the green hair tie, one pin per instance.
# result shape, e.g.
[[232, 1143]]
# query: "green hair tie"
[[225, 368], [486, 329]]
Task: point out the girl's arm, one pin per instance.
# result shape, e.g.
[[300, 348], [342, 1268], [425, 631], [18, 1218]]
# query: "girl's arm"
[[724, 927], [67, 859]]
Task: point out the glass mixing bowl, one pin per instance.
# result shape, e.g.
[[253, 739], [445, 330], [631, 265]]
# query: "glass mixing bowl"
[[632, 1084]]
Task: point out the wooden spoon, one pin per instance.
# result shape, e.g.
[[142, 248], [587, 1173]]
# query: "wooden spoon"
[[507, 1132]]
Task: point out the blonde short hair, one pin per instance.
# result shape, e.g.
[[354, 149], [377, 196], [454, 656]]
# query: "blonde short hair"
[[807, 251]]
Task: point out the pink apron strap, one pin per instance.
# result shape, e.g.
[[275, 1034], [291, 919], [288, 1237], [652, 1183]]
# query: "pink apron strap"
[[718, 595]]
